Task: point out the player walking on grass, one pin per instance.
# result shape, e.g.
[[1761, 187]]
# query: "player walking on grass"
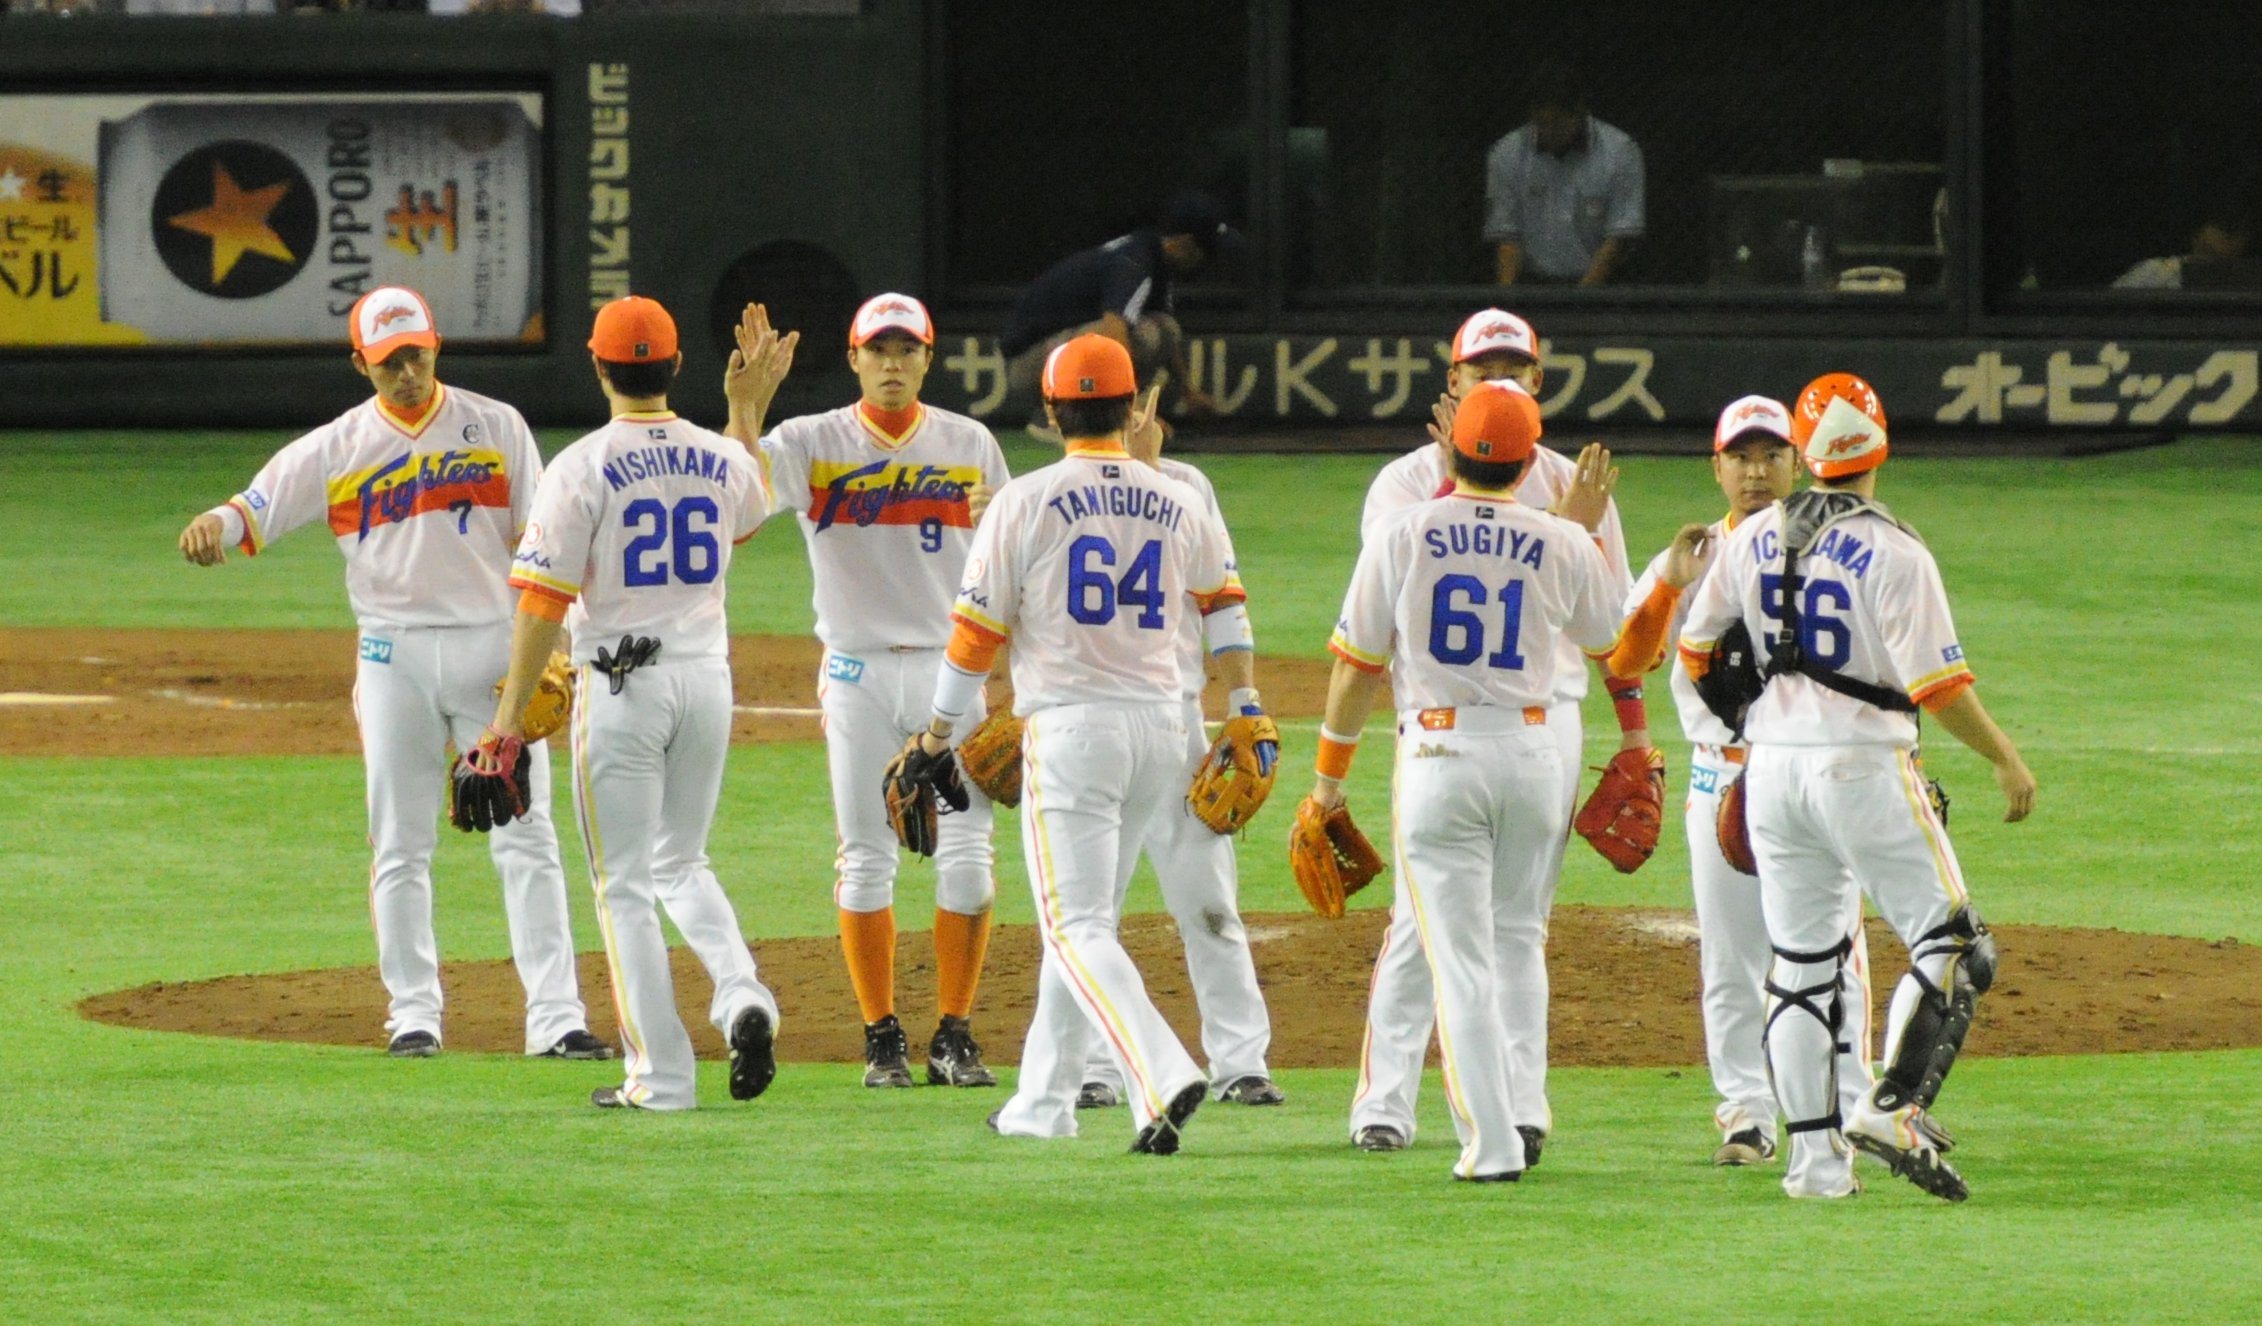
[[886, 492], [1755, 465], [1491, 345], [1848, 625], [1197, 868], [631, 541], [1464, 599], [425, 487], [1088, 565]]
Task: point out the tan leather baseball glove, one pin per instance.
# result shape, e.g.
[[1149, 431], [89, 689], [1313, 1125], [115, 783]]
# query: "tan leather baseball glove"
[[1236, 776], [1330, 857], [1734, 832], [991, 757], [1622, 817], [551, 704]]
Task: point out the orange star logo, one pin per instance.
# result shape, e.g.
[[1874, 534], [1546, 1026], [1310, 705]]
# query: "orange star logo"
[[236, 223]]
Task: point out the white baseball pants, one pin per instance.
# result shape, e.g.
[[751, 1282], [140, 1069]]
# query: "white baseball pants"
[[1094, 777], [648, 769], [414, 690], [1401, 1002]]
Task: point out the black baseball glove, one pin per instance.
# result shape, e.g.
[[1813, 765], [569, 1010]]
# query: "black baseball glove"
[[489, 787], [914, 784], [635, 651]]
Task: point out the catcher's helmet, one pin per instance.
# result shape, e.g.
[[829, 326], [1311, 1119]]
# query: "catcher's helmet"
[[1838, 425]]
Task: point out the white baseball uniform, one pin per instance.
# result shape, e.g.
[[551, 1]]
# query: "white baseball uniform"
[[1401, 1003], [1733, 952], [1468, 601], [888, 527], [1835, 800], [1200, 881], [425, 513], [634, 525], [1089, 566]]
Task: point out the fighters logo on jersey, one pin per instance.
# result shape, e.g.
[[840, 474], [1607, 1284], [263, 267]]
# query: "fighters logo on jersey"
[[234, 219], [840, 667], [376, 650], [886, 492], [1703, 781]]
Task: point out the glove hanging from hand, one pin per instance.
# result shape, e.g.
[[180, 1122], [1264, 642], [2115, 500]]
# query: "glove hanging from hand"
[[488, 787], [1330, 858], [917, 786], [1622, 817]]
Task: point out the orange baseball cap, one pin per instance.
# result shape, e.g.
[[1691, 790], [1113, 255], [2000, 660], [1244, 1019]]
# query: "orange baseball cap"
[[388, 318], [1752, 414], [1838, 425], [891, 313], [1090, 367], [1491, 330], [633, 330], [1497, 422]]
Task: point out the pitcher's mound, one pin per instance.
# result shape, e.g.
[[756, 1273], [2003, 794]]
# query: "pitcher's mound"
[[1625, 992]]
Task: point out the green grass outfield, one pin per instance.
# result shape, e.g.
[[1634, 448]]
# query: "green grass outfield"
[[2107, 605]]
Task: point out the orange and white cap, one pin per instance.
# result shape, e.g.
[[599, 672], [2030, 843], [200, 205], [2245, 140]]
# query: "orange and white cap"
[[1497, 422], [1491, 330], [1751, 414], [891, 313], [1090, 367], [1838, 425], [388, 318], [633, 330]]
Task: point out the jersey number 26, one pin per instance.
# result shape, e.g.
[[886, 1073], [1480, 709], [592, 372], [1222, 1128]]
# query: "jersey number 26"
[[690, 527]]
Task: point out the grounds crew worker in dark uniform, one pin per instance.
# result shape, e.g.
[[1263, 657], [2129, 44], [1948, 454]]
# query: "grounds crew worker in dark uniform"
[[1121, 290]]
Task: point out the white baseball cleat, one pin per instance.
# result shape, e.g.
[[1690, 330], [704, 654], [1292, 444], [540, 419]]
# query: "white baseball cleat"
[[1910, 1144]]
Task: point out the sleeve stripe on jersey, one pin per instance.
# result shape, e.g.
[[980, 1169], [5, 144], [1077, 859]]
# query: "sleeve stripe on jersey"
[[1224, 596], [542, 584], [1355, 656], [548, 607], [253, 541], [1927, 687], [987, 626], [1696, 656]]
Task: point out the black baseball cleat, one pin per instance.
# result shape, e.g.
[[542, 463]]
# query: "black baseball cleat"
[[1255, 1089], [753, 1055], [578, 1044], [1504, 1176], [1160, 1138], [1097, 1096], [1909, 1143], [887, 1054], [1533, 1140], [954, 1060], [414, 1045], [1379, 1137]]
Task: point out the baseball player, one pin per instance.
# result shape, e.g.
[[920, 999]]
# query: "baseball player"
[[1197, 868], [1088, 565], [631, 540], [885, 492], [1844, 608], [1465, 599], [1755, 465], [425, 487], [1492, 345]]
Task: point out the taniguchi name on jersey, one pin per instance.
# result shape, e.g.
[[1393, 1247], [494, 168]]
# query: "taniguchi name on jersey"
[[1486, 541], [1116, 499], [666, 462]]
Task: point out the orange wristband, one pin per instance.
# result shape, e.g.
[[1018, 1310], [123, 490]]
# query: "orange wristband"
[[1335, 756]]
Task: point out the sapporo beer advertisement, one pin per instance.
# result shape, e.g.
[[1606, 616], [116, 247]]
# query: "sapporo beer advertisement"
[[168, 220]]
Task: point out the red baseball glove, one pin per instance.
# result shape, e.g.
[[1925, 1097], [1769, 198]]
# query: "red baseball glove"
[[1622, 817]]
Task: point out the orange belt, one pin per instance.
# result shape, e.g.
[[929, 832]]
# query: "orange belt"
[[1443, 720], [1730, 754]]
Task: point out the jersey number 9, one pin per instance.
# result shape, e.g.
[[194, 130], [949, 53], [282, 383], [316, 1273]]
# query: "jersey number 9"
[[1456, 634], [1093, 596], [697, 556]]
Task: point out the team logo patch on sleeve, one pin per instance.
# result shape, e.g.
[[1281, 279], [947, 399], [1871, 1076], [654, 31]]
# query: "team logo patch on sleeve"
[[1952, 654]]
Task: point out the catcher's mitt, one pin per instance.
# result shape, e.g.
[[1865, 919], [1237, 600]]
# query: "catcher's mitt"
[[914, 783], [1236, 776], [1622, 816], [488, 786], [1330, 857], [1733, 831], [550, 705], [991, 757]]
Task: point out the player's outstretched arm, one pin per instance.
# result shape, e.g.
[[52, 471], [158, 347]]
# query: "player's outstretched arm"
[[534, 636], [1967, 721], [202, 542], [757, 368]]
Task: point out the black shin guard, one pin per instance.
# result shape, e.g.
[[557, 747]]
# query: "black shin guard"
[[1928, 1045], [1830, 1012]]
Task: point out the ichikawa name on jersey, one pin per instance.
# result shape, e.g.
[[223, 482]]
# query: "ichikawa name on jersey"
[[889, 493]]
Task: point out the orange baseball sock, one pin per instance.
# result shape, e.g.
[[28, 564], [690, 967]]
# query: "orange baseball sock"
[[961, 942], [867, 939]]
